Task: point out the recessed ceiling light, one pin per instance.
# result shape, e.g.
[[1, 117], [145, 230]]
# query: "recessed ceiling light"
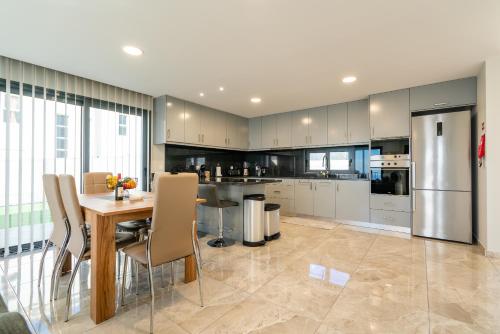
[[255, 99], [132, 50], [348, 80], [221, 88], [169, 104], [202, 94]]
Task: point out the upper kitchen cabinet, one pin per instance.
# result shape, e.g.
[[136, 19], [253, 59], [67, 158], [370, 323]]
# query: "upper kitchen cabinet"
[[236, 132], [358, 122], [455, 93], [318, 126], [337, 124], [168, 117], [390, 114], [310, 127], [193, 116], [277, 130], [255, 133], [213, 128]]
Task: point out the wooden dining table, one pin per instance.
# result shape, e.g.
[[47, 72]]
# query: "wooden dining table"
[[103, 212]]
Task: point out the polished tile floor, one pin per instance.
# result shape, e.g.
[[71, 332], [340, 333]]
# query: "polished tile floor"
[[320, 277]]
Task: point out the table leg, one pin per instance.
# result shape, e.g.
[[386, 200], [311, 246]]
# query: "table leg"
[[103, 294], [66, 268], [190, 263]]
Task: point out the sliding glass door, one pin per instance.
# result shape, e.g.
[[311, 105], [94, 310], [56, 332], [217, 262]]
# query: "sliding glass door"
[[52, 122]]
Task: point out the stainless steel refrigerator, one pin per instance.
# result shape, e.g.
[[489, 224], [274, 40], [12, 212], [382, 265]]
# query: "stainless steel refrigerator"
[[441, 175]]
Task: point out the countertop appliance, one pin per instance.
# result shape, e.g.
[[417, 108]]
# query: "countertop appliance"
[[441, 177], [390, 174]]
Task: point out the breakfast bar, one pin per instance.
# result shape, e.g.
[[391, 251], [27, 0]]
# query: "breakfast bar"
[[233, 189]]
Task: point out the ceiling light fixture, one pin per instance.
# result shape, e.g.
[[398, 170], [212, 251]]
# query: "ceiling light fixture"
[[202, 94], [255, 100], [132, 50], [221, 89], [348, 80]]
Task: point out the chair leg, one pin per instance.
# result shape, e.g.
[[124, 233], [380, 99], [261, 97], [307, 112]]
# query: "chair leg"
[[136, 278], [152, 292], [200, 274], [56, 274], [172, 274], [124, 279], [68, 295], [42, 260]]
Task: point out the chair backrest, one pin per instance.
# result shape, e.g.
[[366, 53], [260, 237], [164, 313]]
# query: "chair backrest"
[[209, 193], [56, 207], [74, 212], [95, 182], [173, 215]]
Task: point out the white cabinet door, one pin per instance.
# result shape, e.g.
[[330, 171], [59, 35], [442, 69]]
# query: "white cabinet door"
[[304, 197], [242, 133], [255, 135], [284, 130], [300, 128], [337, 124], [390, 114], [358, 122], [352, 200], [324, 199], [174, 120], [231, 130], [318, 126], [193, 115], [213, 128], [268, 131]]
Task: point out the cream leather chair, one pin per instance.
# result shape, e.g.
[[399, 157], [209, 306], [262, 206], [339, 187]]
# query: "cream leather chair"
[[79, 241], [60, 232], [95, 183], [172, 234]]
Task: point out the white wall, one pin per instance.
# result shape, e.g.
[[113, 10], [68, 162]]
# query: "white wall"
[[480, 201], [492, 81]]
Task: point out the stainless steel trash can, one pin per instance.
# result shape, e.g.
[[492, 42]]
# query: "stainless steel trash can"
[[272, 221], [253, 220]]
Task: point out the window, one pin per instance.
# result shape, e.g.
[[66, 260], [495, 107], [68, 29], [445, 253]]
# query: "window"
[[122, 125], [317, 161], [339, 160], [61, 136]]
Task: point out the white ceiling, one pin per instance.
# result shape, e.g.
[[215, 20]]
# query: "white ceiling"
[[293, 54]]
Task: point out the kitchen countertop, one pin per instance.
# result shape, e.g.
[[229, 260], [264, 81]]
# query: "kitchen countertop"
[[240, 181], [303, 177]]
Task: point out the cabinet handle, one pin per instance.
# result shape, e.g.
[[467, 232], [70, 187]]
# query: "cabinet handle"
[[440, 104], [414, 200], [338, 187], [168, 133], [203, 138], [277, 141], [373, 131], [225, 141], [413, 174], [388, 218]]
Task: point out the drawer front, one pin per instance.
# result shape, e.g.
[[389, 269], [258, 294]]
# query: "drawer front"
[[282, 190], [390, 202], [393, 218]]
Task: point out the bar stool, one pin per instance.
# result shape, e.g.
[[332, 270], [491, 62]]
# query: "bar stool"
[[209, 192]]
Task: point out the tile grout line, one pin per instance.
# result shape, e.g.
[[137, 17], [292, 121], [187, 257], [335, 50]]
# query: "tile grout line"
[[343, 288], [427, 286]]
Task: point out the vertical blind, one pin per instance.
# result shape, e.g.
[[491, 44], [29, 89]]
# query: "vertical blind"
[[53, 122]]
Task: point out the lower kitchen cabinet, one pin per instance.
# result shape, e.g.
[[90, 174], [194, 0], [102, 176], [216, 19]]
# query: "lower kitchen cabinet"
[[304, 197], [324, 199], [352, 201], [282, 193]]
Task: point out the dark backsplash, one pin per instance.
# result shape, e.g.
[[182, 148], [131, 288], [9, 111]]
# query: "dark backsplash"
[[278, 163]]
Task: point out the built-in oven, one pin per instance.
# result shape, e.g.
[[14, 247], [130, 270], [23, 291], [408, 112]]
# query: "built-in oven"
[[390, 174]]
